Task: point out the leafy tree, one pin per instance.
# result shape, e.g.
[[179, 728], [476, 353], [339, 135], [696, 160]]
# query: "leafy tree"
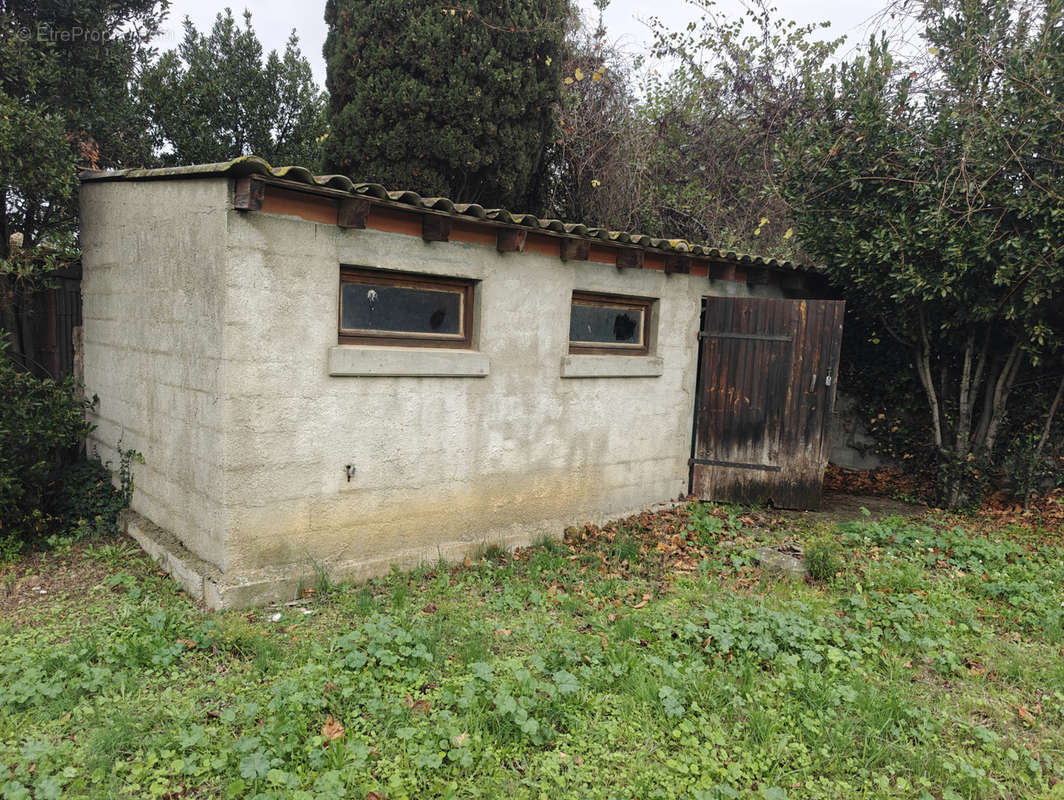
[[600, 162], [215, 98], [65, 72], [715, 119], [457, 100], [931, 190]]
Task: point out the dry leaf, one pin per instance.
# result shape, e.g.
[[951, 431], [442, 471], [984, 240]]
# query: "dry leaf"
[[332, 729], [417, 705]]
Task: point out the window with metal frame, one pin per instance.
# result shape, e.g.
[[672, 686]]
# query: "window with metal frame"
[[404, 309], [609, 324]]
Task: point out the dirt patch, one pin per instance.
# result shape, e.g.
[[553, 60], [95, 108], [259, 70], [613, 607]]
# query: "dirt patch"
[[54, 577], [841, 507]]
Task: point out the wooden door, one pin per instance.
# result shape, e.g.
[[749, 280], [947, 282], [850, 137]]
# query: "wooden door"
[[767, 371]]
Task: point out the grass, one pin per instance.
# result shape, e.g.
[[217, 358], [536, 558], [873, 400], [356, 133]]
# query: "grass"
[[649, 658]]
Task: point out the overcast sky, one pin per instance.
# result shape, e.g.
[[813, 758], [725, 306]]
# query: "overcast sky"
[[274, 19]]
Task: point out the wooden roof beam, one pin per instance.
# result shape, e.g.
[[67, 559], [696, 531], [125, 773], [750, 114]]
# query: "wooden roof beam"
[[248, 193], [511, 240], [353, 212], [677, 265], [435, 228], [575, 249], [629, 258]]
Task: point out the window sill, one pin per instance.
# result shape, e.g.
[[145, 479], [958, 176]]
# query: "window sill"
[[612, 366], [406, 362]]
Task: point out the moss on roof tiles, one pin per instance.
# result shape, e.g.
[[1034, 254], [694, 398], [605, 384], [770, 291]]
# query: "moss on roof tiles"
[[253, 165]]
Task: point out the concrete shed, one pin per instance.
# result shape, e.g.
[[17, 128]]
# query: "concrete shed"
[[324, 375]]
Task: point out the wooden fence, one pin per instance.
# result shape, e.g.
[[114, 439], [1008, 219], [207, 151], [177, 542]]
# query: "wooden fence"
[[48, 321]]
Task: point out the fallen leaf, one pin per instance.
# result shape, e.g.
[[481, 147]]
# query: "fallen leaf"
[[332, 729], [417, 705]]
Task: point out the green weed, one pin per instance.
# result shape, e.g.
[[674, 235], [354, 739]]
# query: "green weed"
[[822, 558], [573, 669]]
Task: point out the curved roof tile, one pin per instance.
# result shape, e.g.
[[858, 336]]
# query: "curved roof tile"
[[253, 165]]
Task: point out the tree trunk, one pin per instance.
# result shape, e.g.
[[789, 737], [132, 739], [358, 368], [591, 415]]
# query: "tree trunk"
[[964, 404], [1005, 382], [923, 369], [8, 322], [1040, 448], [996, 365]]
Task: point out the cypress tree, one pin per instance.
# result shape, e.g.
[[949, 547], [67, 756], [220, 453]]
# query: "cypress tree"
[[458, 101]]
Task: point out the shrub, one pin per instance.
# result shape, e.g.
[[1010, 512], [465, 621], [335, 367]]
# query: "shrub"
[[86, 502], [42, 423]]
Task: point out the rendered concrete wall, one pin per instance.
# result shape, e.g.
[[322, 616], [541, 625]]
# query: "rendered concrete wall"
[[442, 463], [210, 336], [153, 257]]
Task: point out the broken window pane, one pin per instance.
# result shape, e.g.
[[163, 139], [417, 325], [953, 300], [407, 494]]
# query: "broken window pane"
[[382, 308], [603, 324]]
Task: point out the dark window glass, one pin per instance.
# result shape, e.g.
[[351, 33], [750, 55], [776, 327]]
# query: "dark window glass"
[[606, 324], [401, 309]]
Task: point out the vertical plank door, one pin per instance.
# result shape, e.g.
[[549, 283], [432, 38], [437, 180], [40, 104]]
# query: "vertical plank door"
[[766, 390]]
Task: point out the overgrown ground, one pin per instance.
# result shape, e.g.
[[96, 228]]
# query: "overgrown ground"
[[649, 659]]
